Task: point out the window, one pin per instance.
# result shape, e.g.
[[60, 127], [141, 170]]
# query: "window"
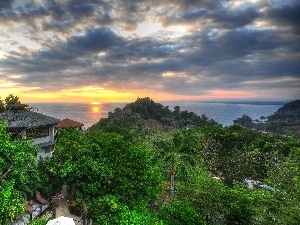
[[37, 132], [48, 150], [16, 134]]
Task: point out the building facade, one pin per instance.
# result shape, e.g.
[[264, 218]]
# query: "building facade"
[[23, 123]]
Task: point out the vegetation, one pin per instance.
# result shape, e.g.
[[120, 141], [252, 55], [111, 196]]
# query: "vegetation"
[[285, 121], [118, 172], [145, 113], [19, 175]]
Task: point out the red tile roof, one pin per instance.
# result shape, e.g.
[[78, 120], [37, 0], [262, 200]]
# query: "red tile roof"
[[68, 123]]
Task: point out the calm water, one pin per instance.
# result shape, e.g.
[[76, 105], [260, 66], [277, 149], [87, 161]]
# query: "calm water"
[[222, 112]]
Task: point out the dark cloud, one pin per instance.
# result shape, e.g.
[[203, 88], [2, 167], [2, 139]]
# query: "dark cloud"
[[285, 16], [234, 18], [223, 48], [4, 4], [67, 54], [194, 14], [94, 40]]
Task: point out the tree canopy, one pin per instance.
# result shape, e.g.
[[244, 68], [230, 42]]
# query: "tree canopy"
[[19, 174], [118, 172]]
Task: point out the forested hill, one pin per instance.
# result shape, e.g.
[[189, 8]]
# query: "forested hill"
[[290, 111], [285, 121], [146, 112]]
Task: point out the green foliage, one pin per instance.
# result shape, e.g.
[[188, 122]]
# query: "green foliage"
[[117, 170], [102, 164], [179, 151], [19, 174], [11, 203], [285, 121], [18, 161], [180, 212], [144, 111], [235, 153], [206, 194], [245, 121], [289, 111], [109, 210], [40, 220], [275, 208], [76, 207], [239, 206], [51, 172], [9, 101], [286, 175], [2, 106]]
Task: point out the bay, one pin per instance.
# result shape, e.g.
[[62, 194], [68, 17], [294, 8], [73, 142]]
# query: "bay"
[[222, 112]]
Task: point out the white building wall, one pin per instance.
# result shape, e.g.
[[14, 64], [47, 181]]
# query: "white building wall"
[[42, 154], [41, 140], [51, 133]]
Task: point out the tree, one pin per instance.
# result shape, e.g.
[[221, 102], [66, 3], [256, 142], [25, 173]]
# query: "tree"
[[245, 121], [180, 212], [225, 152], [11, 102], [239, 205], [11, 203], [206, 194], [109, 210], [2, 106], [178, 155], [19, 175], [99, 164]]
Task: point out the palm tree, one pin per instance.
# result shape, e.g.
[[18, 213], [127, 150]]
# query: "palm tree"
[[178, 155]]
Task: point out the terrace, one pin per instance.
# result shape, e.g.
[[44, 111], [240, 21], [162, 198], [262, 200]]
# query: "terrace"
[[34, 209]]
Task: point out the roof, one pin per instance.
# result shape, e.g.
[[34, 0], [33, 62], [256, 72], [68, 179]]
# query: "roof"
[[26, 118], [68, 123]]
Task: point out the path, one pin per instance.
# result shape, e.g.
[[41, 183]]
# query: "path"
[[62, 209]]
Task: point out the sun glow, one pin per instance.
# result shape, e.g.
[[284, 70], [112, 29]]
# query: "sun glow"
[[180, 29], [96, 109], [168, 74], [95, 103], [146, 29]]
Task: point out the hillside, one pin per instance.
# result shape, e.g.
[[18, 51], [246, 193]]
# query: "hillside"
[[144, 112], [289, 112], [285, 121]]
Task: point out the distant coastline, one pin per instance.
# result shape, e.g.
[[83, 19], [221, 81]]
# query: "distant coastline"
[[247, 102], [223, 112]]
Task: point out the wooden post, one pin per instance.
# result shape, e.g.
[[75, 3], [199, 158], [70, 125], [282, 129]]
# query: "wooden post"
[[54, 206], [172, 183], [84, 219], [84, 213]]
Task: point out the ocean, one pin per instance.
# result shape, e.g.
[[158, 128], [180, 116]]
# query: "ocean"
[[222, 112]]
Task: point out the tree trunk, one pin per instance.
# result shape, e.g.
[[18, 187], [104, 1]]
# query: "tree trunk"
[[172, 181], [73, 191]]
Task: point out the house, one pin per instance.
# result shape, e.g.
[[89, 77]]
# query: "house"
[[69, 123], [23, 123], [254, 184]]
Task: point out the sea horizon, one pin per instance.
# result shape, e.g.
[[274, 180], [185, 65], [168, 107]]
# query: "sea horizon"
[[222, 112], [275, 102]]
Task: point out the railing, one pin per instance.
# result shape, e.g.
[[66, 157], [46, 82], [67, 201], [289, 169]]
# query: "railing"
[[37, 210]]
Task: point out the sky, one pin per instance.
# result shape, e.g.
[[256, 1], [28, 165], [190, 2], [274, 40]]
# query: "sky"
[[117, 51]]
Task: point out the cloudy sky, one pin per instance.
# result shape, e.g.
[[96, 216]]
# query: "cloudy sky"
[[118, 50]]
